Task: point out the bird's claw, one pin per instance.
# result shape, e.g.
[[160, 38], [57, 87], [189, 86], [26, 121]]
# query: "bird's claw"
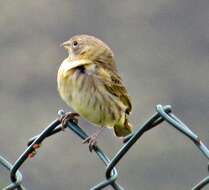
[[35, 148], [91, 140], [70, 116], [32, 154]]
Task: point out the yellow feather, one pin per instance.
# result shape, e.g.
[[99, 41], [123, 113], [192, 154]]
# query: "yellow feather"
[[88, 81]]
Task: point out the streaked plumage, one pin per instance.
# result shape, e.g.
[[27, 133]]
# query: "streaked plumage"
[[89, 82]]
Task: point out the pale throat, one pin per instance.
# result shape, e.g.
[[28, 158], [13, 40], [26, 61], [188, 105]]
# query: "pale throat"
[[67, 65]]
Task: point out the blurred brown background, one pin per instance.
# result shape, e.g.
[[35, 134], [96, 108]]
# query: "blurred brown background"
[[162, 52]]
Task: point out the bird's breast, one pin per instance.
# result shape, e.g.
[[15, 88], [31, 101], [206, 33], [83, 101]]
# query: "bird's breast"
[[87, 96]]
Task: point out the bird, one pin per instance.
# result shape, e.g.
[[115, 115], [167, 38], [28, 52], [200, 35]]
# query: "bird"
[[89, 82]]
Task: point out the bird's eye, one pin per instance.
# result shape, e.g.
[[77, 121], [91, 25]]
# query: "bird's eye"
[[75, 44]]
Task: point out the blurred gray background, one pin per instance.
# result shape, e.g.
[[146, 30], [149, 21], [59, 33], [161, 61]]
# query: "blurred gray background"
[[162, 52]]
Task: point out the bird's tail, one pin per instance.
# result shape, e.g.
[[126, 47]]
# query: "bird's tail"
[[124, 130]]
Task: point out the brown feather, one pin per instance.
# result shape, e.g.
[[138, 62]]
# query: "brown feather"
[[113, 84], [88, 81]]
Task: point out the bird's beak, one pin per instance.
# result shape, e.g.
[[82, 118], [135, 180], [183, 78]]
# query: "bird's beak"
[[65, 44]]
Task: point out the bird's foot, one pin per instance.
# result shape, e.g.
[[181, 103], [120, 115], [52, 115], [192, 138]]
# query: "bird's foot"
[[35, 149], [91, 140], [70, 116]]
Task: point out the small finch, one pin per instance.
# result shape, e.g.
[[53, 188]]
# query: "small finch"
[[88, 81]]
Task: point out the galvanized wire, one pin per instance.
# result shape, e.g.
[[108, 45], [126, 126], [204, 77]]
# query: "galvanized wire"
[[18, 181], [162, 114]]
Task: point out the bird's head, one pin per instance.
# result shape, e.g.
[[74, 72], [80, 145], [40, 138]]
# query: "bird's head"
[[87, 47]]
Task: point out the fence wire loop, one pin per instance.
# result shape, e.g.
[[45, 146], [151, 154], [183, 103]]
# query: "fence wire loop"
[[163, 113]]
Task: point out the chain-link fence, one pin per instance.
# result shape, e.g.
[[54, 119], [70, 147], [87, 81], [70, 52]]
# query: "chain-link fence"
[[163, 113]]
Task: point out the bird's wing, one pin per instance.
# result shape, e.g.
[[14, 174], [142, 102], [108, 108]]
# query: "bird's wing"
[[113, 83]]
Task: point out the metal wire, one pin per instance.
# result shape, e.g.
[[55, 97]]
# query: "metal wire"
[[162, 114], [16, 184]]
